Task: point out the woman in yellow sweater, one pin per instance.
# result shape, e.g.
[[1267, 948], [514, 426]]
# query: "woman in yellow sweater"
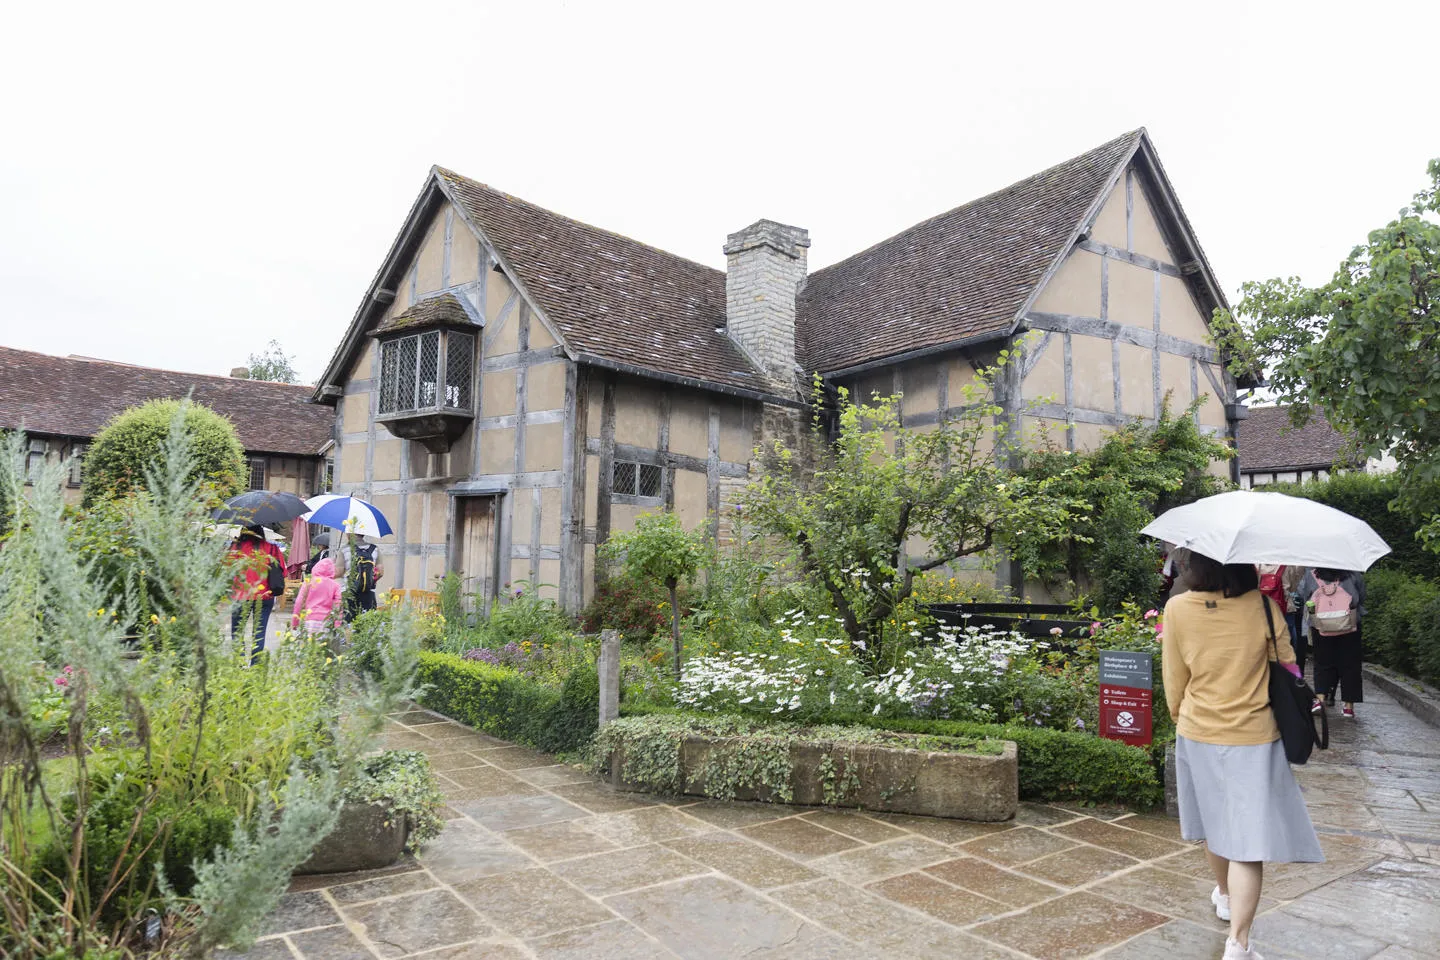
[[1235, 787]]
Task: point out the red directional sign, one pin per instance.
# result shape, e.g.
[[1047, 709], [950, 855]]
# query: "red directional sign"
[[1126, 710]]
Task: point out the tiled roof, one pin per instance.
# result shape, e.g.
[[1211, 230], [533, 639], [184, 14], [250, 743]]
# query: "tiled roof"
[[444, 310], [959, 275], [611, 296], [76, 397], [1268, 442]]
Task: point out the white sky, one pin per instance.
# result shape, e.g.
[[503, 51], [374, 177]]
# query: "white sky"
[[179, 185]]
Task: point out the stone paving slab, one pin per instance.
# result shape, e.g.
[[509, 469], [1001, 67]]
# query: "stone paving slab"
[[542, 861]]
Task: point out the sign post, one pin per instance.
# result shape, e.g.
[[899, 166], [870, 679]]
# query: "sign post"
[[1126, 687]]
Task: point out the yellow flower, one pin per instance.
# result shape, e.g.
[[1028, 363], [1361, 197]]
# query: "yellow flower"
[[154, 619]]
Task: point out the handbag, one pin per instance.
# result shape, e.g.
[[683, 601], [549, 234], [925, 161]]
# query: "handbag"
[[1291, 700]]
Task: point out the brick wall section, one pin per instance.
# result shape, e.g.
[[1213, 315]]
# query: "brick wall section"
[[765, 266]]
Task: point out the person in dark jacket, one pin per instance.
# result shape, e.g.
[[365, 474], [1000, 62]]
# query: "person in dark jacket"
[[1337, 655]]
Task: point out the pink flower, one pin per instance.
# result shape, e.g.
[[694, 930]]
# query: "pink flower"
[[68, 670], [1151, 614], [62, 681], [1159, 629], [1094, 628]]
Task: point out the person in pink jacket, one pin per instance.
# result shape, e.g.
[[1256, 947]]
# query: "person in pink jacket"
[[319, 602]]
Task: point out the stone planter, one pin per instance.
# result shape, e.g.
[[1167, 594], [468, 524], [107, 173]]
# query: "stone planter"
[[367, 837], [934, 783]]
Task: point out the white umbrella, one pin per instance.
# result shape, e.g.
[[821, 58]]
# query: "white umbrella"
[[1251, 526]]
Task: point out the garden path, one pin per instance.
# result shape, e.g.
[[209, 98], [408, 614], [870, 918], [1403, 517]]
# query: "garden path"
[[540, 860]]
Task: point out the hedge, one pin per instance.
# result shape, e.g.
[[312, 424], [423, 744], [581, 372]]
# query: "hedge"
[[507, 704], [1401, 629], [1368, 496], [1054, 764]]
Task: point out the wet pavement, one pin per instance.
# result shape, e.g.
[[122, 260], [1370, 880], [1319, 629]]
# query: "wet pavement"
[[539, 860]]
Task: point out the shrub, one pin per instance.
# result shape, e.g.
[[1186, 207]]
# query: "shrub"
[[507, 704], [132, 443], [1368, 496], [634, 607], [1056, 765], [1401, 630]]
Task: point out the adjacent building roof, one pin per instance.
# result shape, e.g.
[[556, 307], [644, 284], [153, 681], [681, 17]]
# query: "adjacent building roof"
[[958, 276], [1267, 442], [610, 296], [76, 397]]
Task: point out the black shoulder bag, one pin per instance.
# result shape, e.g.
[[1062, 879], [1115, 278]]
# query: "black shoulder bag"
[[1291, 700]]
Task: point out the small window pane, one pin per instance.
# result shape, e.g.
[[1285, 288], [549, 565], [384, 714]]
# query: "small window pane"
[[459, 360], [649, 480], [624, 478], [35, 460], [406, 351], [77, 463], [257, 474], [429, 369], [389, 373]]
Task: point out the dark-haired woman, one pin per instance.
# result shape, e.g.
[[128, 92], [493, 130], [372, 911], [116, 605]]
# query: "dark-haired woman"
[[1235, 787]]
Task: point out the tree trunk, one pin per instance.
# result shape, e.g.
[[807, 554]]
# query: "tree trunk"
[[673, 584]]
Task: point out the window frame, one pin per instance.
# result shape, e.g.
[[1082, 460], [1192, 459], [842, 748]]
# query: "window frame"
[[263, 463], [77, 463], [35, 447], [633, 496], [408, 395]]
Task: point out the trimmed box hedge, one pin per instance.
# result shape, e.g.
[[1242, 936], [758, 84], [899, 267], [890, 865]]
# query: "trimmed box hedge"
[[507, 704]]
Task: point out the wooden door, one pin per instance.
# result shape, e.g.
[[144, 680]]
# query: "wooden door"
[[477, 551]]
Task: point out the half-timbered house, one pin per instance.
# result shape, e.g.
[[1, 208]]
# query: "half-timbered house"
[[517, 385]]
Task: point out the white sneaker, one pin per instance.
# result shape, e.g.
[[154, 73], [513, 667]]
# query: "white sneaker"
[[1222, 904], [1233, 951]]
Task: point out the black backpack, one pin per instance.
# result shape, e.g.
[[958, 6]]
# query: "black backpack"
[[362, 578], [275, 578]]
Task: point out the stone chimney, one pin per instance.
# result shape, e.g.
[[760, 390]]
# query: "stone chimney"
[[765, 266], [240, 373]]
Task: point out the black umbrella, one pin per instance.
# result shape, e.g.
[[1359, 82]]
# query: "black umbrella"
[[261, 508]]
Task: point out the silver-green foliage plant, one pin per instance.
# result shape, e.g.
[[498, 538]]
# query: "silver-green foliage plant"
[[161, 761]]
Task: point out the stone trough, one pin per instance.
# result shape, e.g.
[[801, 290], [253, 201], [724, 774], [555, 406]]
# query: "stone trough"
[[870, 776], [368, 836]]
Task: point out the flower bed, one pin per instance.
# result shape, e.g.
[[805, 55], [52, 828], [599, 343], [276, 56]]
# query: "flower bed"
[[831, 765]]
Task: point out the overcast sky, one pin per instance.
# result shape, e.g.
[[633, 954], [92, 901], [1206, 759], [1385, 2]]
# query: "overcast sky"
[[182, 184]]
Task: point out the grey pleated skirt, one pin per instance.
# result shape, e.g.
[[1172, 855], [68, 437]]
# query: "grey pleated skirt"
[[1243, 802]]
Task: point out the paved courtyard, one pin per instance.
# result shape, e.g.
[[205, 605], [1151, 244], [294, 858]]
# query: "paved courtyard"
[[540, 860]]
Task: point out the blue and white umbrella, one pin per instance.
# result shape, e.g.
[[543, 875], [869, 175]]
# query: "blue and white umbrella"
[[350, 514]]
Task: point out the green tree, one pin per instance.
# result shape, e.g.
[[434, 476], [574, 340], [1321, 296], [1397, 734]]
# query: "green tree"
[[131, 444], [856, 508], [1364, 347], [660, 549], [1138, 472], [273, 363]]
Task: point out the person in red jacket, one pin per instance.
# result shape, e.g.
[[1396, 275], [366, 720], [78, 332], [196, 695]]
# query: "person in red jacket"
[[255, 558]]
